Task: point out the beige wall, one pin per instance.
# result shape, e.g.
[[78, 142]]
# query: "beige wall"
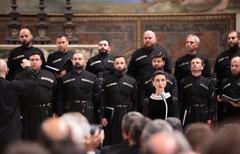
[[238, 22]]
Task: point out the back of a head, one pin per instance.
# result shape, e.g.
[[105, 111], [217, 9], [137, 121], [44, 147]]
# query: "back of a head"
[[225, 141], [155, 126], [137, 128], [199, 135], [175, 123], [128, 119], [166, 142], [53, 130], [26, 148], [78, 125]]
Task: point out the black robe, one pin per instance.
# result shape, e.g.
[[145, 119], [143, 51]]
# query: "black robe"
[[160, 107], [222, 66], [120, 94], [196, 98], [37, 103], [10, 122], [231, 88], [182, 66], [79, 92], [16, 56]]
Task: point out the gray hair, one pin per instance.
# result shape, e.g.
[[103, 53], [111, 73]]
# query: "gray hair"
[[128, 119], [78, 125], [175, 123], [154, 127], [195, 37]]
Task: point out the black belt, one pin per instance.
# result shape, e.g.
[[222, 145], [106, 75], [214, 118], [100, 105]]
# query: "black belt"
[[198, 105], [79, 101], [120, 106], [44, 105], [86, 104]]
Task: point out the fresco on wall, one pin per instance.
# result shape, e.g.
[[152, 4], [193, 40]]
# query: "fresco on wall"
[[128, 6]]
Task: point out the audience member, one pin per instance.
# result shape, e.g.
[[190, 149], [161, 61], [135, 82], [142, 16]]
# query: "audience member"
[[166, 143], [199, 135], [127, 122], [80, 132], [25, 147], [175, 123], [226, 141], [155, 126]]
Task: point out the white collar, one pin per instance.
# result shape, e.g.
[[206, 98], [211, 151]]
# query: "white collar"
[[162, 96]]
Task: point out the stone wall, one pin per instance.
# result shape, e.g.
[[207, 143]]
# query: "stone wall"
[[125, 31]]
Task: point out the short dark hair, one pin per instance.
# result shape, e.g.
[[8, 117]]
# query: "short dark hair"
[[235, 31], [159, 55], [158, 72], [25, 27], [137, 128], [105, 40], [35, 53], [119, 56], [60, 35], [198, 57], [128, 119]]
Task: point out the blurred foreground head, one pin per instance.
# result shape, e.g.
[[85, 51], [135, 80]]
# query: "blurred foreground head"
[[54, 130]]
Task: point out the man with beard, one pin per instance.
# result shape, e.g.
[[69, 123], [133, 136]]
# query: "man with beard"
[[158, 62], [79, 90], [182, 67], [102, 64], [16, 55], [196, 95], [120, 96], [140, 63], [229, 95], [59, 62], [37, 102], [222, 64]]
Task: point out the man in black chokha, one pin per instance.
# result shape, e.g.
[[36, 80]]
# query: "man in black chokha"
[[120, 97], [38, 102], [59, 62], [229, 95], [102, 64], [196, 95], [79, 90]]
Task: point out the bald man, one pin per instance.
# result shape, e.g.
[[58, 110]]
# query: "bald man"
[[79, 90], [10, 122], [140, 62], [54, 130], [17, 54], [229, 95]]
